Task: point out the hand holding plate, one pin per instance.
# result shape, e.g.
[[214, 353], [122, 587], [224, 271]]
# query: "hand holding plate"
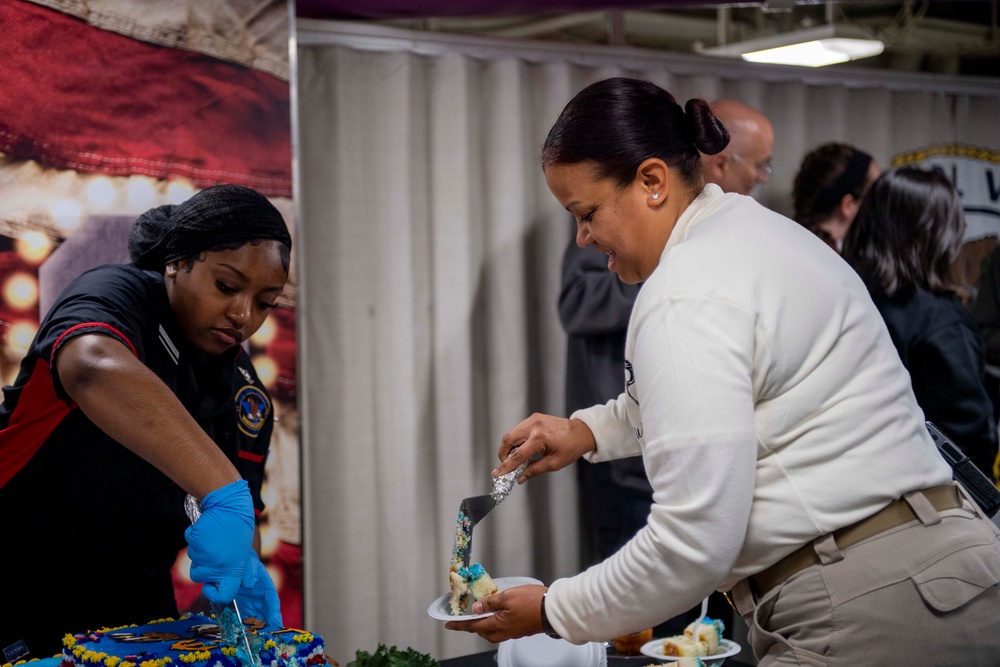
[[516, 612]]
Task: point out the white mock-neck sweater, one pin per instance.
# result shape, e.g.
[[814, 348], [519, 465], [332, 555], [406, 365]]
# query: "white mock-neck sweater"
[[769, 405]]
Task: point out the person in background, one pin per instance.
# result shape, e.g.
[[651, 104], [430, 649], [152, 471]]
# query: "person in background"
[[828, 189], [594, 308], [746, 162], [789, 460], [134, 393], [904, 239], [986, 312]]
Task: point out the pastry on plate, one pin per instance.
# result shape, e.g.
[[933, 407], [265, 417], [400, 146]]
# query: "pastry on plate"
[[631, 643]]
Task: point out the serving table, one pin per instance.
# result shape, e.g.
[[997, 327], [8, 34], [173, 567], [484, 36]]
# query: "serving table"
[[488, 659]]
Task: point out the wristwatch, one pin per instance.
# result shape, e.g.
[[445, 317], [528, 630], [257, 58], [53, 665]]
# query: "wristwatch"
[[546, 626]]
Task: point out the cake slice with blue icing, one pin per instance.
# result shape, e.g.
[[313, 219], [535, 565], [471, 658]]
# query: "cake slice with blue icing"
[[687, 645], [469, 584]]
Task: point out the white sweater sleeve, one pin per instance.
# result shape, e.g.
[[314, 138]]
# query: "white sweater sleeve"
[[693, 359], [612, 430]]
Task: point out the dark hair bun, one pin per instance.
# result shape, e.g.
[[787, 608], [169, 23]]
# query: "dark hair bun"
[[147, 238], [710, 135]]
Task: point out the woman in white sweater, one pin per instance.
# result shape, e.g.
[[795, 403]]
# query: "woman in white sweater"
[[788, 457]]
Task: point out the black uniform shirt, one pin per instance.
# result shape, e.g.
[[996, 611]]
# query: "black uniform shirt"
[[943, 350], [91, 530]]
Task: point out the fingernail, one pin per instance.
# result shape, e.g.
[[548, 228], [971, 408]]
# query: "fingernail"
[[477, 608], [495, 472]]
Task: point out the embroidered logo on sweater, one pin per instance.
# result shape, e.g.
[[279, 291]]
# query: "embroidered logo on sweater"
[[630, 381]]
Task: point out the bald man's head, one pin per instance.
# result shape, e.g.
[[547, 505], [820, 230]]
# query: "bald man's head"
[[746, 161]]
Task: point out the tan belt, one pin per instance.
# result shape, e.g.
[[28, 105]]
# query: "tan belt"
[[896, 513]]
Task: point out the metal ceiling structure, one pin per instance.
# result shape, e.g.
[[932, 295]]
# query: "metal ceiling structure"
[[920, 35]]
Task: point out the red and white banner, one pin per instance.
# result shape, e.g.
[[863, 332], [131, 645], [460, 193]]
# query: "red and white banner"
[[88, 100]]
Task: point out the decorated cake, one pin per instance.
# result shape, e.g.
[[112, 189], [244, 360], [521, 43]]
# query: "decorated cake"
[[194, 640]]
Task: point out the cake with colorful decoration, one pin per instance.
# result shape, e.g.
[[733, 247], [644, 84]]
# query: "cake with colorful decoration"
[[469, 584], [194, 640]]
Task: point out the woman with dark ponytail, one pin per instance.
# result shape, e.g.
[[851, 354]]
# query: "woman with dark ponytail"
[[134, 393], [907, 234], [788, 457]]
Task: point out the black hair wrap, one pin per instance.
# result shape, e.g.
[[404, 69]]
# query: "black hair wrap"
[[853, 176], [221, 215]]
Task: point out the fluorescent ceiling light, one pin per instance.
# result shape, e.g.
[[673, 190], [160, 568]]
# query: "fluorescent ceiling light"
[[812, 47], [817, 53]]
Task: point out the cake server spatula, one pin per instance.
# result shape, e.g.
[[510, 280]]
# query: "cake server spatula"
[[230, 628], [474, 509]]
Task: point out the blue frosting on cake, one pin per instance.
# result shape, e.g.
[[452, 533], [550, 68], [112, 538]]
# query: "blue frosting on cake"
[[473, 572], [193, 639]]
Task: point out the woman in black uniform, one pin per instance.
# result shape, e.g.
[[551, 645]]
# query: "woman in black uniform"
[[134, 393], [908, 232]]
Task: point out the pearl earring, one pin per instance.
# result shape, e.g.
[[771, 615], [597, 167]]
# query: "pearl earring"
[[656, 195]]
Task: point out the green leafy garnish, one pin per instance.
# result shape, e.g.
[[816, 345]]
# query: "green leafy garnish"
[[390, 656]]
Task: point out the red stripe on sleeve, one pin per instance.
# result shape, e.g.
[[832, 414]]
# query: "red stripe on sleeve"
[[250, 456], [39, 410], [100, 325]]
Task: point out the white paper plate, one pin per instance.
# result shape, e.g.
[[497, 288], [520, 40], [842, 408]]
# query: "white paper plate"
[[544, 651], [727, 648], [441, 610]]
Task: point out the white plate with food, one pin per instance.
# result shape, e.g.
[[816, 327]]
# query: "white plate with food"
[[727, 649], [441, 609]]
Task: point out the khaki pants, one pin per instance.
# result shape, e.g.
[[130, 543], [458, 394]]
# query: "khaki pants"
[[920, 595]]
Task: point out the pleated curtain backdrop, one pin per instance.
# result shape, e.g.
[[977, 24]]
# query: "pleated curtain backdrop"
[[430, 252]]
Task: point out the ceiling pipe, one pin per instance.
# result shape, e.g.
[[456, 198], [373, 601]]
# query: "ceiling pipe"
[[616, 32], [551, 24], [722, 26], [993, 21]]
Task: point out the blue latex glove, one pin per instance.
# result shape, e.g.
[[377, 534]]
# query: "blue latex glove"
[[257, 596], [219, 542]]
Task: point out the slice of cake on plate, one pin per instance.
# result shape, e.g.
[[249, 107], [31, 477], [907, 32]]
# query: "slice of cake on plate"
[[686, 645], [709, 633], [468, 584]]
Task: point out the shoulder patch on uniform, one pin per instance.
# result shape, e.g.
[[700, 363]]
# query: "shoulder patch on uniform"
[[252, 409]]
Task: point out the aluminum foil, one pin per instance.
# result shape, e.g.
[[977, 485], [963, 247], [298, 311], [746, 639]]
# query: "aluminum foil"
[[504, 484]]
